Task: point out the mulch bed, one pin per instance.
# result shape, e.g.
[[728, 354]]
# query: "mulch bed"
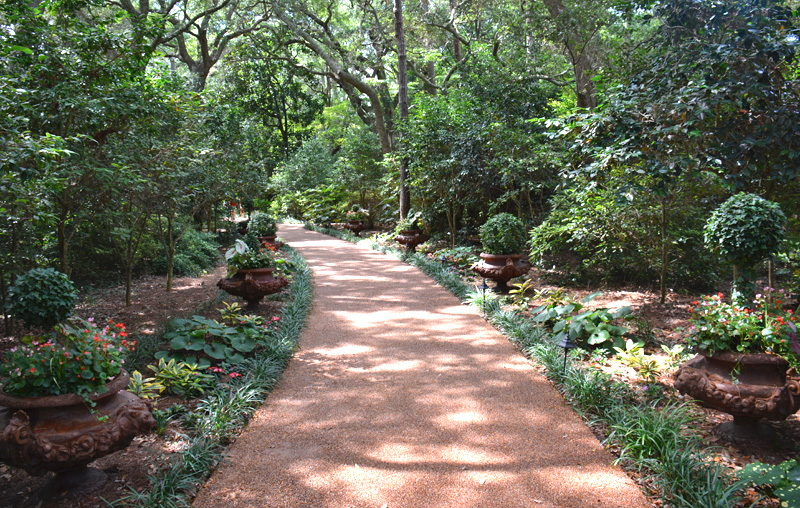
[[129, 469]]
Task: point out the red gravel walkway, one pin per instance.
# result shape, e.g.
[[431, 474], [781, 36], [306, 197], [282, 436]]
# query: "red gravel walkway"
[[402, 397]]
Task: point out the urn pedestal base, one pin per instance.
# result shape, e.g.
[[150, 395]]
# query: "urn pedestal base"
[[750, 387]]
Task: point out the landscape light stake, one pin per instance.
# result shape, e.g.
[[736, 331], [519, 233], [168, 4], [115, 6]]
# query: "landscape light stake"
[[483, 287], [567, 344]]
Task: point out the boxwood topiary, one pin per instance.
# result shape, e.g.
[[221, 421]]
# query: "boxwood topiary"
[[503, 234], [745, 229], [262, 224], [42, 297]]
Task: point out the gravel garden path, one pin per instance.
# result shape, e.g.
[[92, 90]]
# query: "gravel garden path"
[[402, 397]]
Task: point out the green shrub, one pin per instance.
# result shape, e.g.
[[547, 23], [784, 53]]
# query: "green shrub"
[[195, 253], [503, 234], [262, 224], [42, 297], [600, 234], [745, 229]]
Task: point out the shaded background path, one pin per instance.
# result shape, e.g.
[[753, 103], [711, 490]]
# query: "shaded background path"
[[402, 397]]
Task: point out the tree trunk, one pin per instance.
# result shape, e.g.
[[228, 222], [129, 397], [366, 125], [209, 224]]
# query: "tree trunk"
[[578, 55], [128, 270], [402, 101], [430, 65], [63, 247], [458, 52], [451, 223], [170, 251], [664, 252]]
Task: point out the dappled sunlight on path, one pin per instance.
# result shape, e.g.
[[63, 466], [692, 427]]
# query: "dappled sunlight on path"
[[401, 396]]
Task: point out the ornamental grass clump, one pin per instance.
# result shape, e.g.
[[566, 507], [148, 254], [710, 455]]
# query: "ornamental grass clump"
[[77, 357], [503, 234]]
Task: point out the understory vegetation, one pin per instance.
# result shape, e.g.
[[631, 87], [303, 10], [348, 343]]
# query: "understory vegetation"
[[221, 409]]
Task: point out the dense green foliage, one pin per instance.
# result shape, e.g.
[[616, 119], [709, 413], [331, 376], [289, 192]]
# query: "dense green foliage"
[[503, 234], [42, 297], [262, 224], [745, 229], [614, 127]]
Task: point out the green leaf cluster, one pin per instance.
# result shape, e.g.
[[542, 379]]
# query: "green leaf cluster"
[[783, 479], [589, 329], [745, 229], [205, 342], [42, 297], [503, 234], [262, 224], [181, 378]]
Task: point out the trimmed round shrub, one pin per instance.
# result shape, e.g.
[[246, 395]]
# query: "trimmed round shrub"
[[503, 234], [42, 297], [262, 224], [745, 229]]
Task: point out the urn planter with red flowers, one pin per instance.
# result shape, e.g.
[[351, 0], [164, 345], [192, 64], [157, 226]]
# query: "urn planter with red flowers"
[[747, 347], [64, 402]]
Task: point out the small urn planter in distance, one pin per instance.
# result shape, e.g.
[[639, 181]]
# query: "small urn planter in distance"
[[503, 238], [58, 433], [501, 268], [253, 285], [356, 226], [750, 387], [410, 238]]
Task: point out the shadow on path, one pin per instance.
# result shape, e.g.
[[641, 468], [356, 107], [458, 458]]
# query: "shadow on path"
[[402, 397]]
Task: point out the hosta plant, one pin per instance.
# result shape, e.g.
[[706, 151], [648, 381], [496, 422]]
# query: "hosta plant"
[[181, 378], [590, 329], [204, 342], [144, 387]]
